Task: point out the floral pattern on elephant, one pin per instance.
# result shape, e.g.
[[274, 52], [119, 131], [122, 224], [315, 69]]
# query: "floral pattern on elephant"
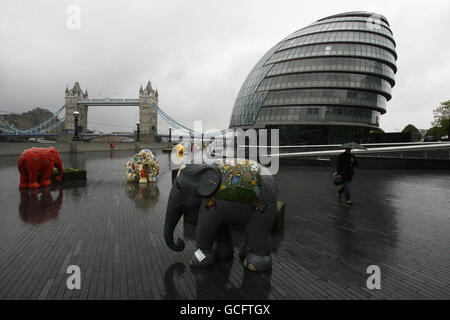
[[142, 167], [241, 181]]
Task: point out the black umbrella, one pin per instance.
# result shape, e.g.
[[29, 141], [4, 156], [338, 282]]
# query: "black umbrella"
[[353, 145]]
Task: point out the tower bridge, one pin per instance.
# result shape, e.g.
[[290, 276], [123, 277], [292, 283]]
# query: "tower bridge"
[[78, 100], [62, 122]]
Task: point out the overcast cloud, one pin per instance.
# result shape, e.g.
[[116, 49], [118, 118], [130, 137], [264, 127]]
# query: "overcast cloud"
[[197, 53]]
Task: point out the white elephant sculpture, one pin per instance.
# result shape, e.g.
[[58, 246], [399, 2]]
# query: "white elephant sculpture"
[[143, 167]]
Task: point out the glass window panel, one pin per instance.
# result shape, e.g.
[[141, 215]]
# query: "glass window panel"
[[324, 80], [321, 114], [337, 64], [323, 96], [341, 36], [357, 50]]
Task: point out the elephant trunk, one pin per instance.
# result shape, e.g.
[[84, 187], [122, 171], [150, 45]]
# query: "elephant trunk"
[[173, 215]]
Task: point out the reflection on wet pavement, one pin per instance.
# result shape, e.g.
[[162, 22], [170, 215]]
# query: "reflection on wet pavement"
[[34, 209], [144, 195], [215, 283]]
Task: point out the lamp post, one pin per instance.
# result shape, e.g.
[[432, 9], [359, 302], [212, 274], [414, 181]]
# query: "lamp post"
[[76, 114], [137, 131], [448, 130], [170, 134]]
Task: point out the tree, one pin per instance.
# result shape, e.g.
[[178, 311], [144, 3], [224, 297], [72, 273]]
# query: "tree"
[[442, 117], [413, 130], [435, 132]]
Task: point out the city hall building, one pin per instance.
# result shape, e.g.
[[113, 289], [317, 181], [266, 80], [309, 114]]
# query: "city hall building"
[[327, 83]]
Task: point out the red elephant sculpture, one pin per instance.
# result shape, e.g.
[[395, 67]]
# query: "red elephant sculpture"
[[35, 160]]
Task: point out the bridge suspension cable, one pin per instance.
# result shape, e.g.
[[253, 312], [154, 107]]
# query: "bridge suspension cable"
[[177, 125], [47, 125]]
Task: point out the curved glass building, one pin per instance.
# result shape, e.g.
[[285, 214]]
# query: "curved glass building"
[[326, 83]]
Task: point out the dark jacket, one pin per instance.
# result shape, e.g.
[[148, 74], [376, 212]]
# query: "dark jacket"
[[345, 166]]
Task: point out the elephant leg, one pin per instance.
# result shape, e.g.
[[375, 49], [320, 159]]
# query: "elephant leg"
[[151, 175], [23, 178], [32, 179], [223, 245], [143, 176], [243, 249], [45, 178], [132, 176], [207, 226], [258, 233]]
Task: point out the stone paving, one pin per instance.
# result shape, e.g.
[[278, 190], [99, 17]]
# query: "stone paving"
[[114, 233]]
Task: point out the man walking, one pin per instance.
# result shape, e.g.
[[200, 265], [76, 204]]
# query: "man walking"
[[345, 164]]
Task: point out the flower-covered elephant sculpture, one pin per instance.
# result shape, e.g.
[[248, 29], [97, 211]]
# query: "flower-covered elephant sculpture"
[[143, 167], [229, 192], [39, 160]]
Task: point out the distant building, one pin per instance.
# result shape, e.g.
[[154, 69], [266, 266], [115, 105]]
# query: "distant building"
[[28, 119], [326, 83]]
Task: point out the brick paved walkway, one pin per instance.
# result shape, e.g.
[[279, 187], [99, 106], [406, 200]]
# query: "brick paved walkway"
[[400, 222]]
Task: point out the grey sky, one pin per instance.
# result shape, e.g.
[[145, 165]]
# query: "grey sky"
[[197, 53]]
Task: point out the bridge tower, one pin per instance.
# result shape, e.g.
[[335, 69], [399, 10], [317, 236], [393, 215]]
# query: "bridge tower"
[[72, 96], [148, 116]]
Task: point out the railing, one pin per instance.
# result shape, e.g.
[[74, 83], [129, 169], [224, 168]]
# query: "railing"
[[107, 101]]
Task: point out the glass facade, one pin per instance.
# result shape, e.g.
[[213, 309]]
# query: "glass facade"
[[341, 36], [353, 65], [317, 114], [348, 24], [352, 18], [322, 96], [338, 49], [319, 134], [248, 101], [328, 82]]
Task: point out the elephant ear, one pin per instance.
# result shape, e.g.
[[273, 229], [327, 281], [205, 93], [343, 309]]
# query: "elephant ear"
[[208, 181]]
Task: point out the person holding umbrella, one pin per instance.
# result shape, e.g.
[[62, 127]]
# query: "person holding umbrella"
[[346, 162]]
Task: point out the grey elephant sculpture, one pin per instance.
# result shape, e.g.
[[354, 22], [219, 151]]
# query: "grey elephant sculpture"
[[225, 193]]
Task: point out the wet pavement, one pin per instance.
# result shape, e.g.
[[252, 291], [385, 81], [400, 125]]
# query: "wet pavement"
[[113, 231]]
